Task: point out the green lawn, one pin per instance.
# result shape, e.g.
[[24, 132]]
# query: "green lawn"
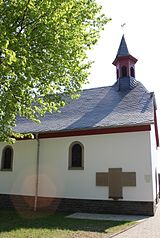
[[46, 225]]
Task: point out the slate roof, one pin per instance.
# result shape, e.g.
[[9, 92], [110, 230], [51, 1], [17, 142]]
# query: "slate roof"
[[103, 107], [123, 49]]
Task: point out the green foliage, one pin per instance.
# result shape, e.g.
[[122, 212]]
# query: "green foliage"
[[43, 55]]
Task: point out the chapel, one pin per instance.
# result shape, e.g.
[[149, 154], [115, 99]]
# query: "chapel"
[[98, 154]]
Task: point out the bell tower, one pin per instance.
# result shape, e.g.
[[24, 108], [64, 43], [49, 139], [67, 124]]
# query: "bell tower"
[[125, 67]]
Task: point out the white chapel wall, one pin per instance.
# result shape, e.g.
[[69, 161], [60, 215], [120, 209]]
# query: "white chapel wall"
[[21, 180], [154, 160], [129, 151]]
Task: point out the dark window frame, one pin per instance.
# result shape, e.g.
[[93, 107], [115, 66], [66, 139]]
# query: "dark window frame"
[[70, 160], [3, 166]]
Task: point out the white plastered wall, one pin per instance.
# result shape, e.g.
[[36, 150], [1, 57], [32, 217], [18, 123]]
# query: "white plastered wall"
[[21, 180], [154, 162], [129, 151]]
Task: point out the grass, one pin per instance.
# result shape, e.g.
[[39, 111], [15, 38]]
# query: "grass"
[[46, 225]]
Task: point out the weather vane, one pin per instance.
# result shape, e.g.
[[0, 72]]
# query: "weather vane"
[[123, 26]]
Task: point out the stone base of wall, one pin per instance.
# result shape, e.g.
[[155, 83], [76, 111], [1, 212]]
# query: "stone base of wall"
[[77, 205]]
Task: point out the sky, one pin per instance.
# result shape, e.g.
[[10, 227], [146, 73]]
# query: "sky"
[[142, 36]]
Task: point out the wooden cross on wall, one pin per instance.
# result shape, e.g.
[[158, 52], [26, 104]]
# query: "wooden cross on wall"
[[115, 179]]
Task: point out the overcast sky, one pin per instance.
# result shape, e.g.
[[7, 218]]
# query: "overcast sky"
[[142, 18]]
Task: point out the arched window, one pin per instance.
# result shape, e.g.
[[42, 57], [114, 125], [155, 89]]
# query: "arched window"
[[124, 71], [132, 72], [117, 73], [76, 156], [7, 158]]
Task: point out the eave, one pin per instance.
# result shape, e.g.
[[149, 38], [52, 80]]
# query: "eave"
[[96, 131]]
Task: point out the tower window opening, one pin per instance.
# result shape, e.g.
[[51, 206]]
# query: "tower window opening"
[[132, 72], [124, 71], [117, 73]]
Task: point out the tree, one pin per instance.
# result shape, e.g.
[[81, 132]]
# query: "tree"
[[43, 55]]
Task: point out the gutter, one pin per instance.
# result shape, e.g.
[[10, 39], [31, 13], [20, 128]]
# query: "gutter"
[[37, 173]]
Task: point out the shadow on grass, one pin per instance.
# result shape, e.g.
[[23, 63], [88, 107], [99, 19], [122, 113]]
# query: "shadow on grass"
[[12, 220]]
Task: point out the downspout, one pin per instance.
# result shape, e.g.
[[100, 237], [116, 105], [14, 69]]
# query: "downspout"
[[37, 174]]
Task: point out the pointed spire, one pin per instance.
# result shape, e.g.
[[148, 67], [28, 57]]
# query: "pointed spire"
[[123, 52], [123, 49]]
